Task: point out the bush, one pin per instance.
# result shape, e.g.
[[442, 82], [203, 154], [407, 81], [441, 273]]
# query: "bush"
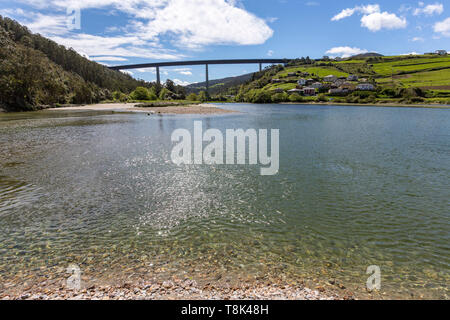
[[202, 96], [296, 98], [140, 93], [280, 97], [322, 98], [164, 94], [192, 97]]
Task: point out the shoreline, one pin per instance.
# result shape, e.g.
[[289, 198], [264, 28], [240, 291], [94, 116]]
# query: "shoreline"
[[132, 107], [386, 105], [175, 289]]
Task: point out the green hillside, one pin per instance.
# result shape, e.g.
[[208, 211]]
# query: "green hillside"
[[395, 79], [36, 72]]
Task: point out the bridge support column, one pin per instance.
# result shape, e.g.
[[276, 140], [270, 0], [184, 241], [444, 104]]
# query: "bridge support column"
[[260, 67], [158, 76], [207, 81]]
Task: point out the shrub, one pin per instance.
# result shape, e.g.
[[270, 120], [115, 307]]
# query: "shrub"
[[140, 93], [192, 97], [202, 96], [164, 94], [296, 98], [322, 98], [280, 97]]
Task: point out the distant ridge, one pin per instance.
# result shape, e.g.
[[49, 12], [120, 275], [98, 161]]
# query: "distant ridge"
[[219, 85], [366, 55]]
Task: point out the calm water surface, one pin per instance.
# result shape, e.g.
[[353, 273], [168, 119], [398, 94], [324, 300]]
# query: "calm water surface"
[[357, 186]]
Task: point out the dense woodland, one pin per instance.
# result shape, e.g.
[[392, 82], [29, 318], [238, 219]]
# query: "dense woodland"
[[36, 72]]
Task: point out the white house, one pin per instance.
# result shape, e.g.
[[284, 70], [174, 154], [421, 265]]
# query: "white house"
[[365, 87], [292, 91], [352, 77], [301, 82], [330, 78]]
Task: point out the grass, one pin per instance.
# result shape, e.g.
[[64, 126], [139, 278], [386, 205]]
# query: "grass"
[[421, 79], [317, 71], [410, 65]]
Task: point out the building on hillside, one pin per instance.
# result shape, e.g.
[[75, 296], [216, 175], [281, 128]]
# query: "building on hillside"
[[317, 85], [309, 81], [301, 82], [352, 77], [441, 52], [365, 87], [330, 78], [339, 92], [292, 91], [309, 91]]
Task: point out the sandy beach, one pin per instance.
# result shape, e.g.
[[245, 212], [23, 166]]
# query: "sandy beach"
[[132, 107]]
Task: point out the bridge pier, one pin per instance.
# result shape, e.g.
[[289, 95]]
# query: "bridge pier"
[[158, 76], [207, 81], [260, 67]]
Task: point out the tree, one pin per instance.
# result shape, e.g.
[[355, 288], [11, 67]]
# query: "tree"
[[202, 96], [164, 94], [192, 97]]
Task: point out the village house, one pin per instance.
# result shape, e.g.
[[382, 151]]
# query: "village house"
[[309, 91], [309, 81], [301, 82], [338, 91], [365, 87], [292, 91], [330, 78], [352, 77], [441, 52], [317, 85]]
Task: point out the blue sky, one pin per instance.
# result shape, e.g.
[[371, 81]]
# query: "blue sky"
[[116, 32]]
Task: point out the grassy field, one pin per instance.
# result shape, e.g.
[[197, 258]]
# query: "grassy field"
[[317, 71], [410, 65]]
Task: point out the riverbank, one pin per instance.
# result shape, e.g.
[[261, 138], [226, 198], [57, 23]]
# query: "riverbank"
[[134, 107], [386, 105], [175, 289]]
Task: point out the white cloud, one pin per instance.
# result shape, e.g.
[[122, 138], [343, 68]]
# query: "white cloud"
[[189, 24], [345, 52], [368, 9], [410, 54], [270, 53], [181, 82], [121, 46], [109, 59], [443, 27], [373, 19], [417, 39], [312, 4], [430, 9], [382, 20]]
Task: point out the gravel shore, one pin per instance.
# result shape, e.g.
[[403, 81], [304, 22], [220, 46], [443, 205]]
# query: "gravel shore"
[[173, 290], [132, 107]]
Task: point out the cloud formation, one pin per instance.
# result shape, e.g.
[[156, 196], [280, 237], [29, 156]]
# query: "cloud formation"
[[443, 27], [345, 52], [429, 10], [187, 23], [373, 19]]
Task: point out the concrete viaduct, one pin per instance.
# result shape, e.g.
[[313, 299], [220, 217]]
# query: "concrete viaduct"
[[206, 63]]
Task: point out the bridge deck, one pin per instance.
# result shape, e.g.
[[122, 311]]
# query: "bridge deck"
[[198, 62]]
